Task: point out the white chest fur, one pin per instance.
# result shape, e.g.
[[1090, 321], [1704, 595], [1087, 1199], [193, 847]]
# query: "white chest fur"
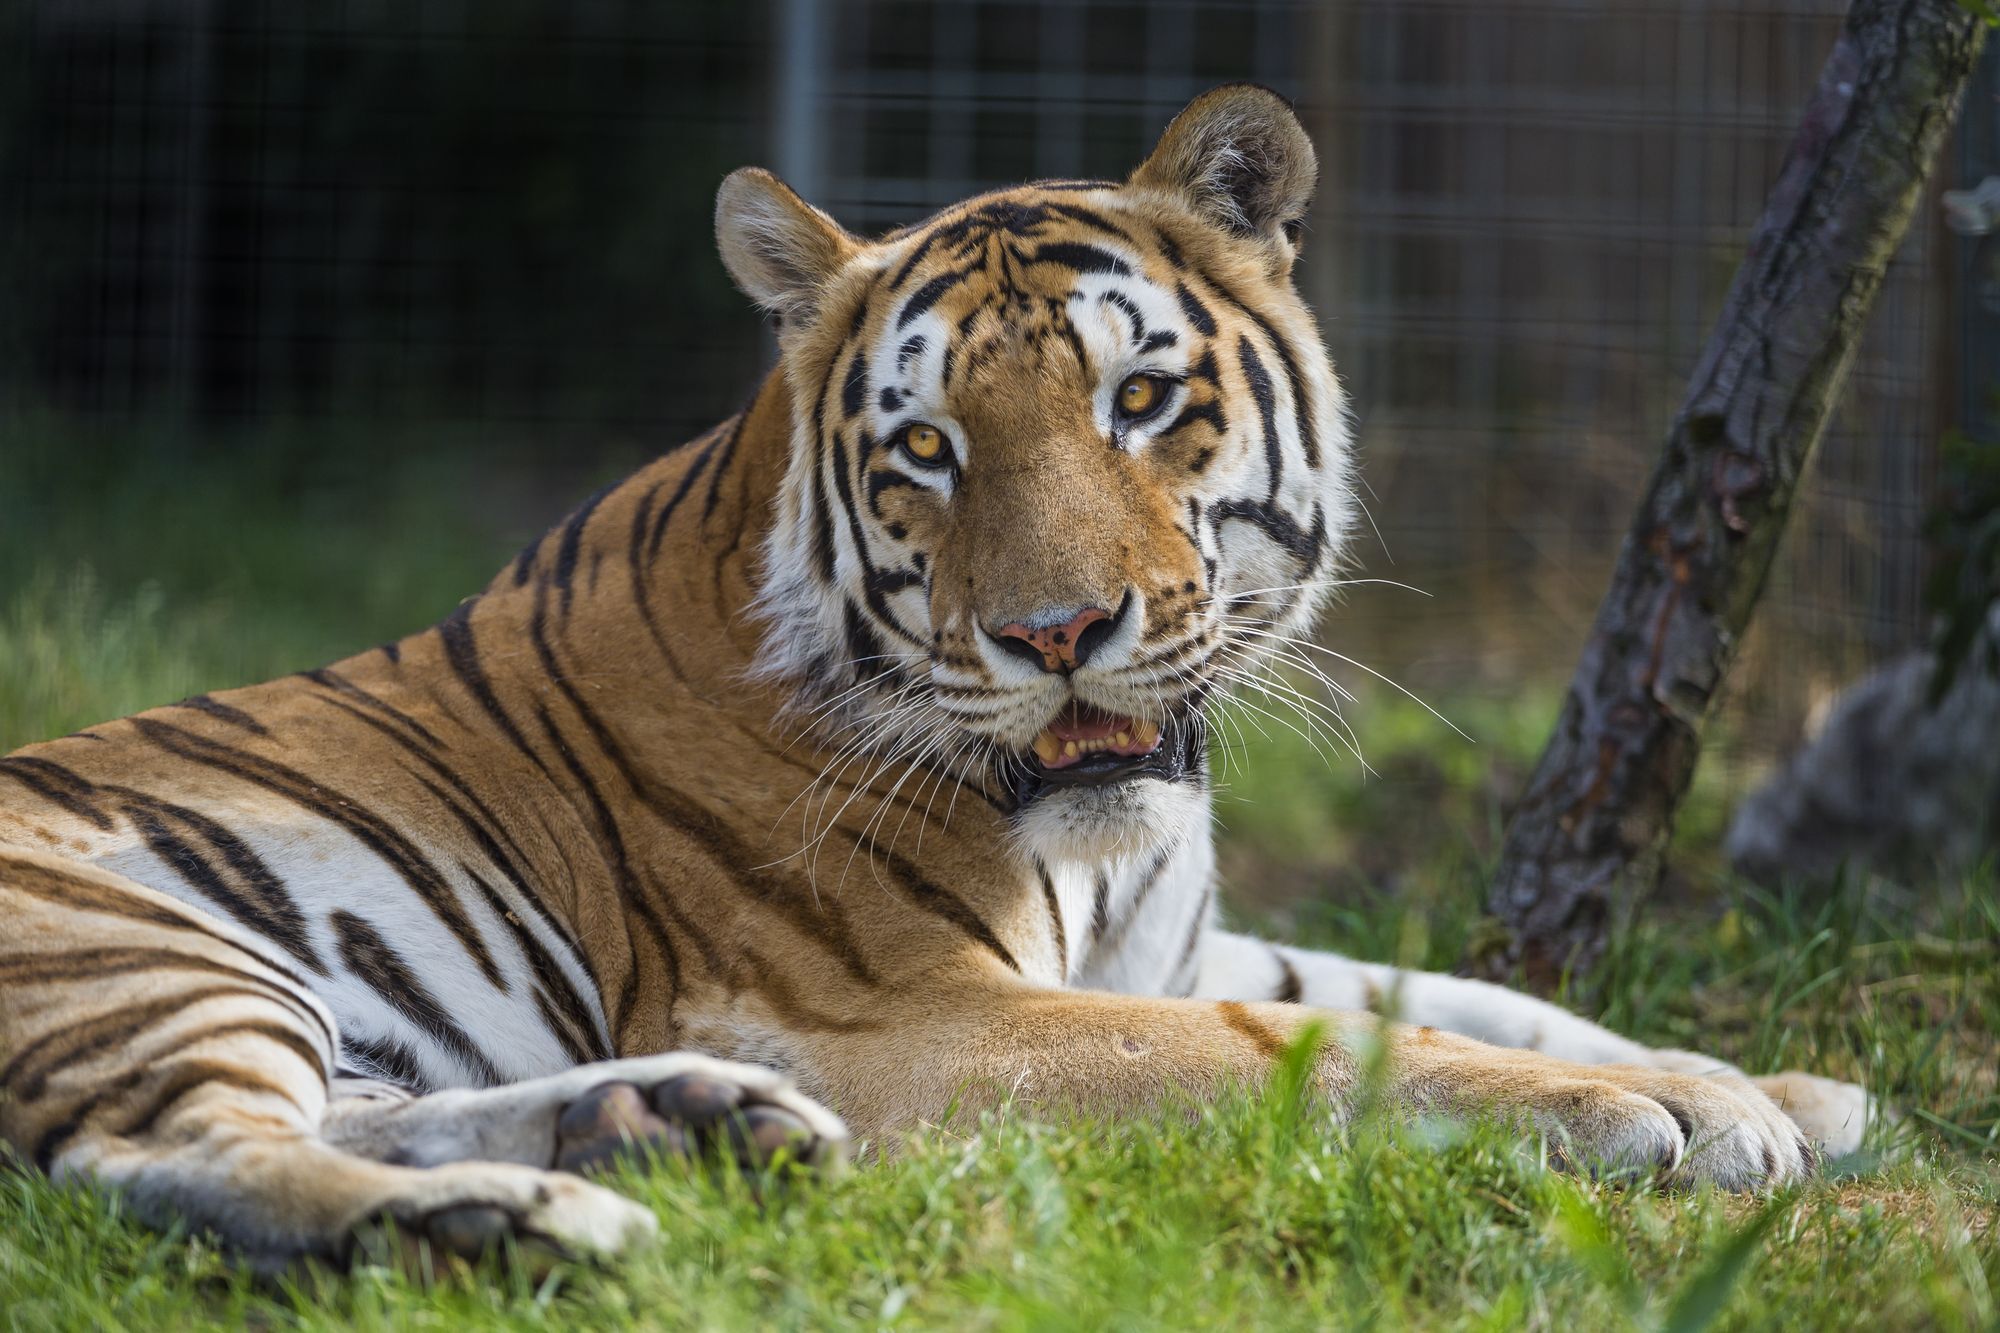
[[1131, 923]]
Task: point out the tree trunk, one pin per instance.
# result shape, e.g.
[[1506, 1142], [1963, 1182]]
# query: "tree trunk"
[[1592, 826]]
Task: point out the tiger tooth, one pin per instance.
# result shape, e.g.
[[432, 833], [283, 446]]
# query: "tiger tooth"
[[1069, 749], [1047, 747], [1124, 738], [1146, 734]]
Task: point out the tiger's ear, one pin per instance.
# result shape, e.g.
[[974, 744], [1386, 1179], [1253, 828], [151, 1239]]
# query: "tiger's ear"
[[780, 249], [1240, 158]]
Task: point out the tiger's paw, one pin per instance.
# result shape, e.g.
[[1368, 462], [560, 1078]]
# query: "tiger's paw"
[[1717, 1129], [690, 1106], [1835, 1114], [1832, 1113], [469, 1211]]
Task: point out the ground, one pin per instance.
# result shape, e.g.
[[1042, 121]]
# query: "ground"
[[126, 582]]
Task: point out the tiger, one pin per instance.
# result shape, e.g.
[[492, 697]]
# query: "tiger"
[[844, 768]]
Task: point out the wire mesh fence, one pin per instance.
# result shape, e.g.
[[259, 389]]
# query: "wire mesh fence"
[[498, 213], [1535, 212], [493, 212]]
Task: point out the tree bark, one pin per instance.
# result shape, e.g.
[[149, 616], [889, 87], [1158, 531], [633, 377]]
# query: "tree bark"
[[1591, 829]]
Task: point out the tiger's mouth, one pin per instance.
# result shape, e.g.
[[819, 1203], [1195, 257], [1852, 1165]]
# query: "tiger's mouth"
[[1085, 746]]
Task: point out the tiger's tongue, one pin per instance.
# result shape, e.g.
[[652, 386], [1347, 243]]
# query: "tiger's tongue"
[[1080, 730]]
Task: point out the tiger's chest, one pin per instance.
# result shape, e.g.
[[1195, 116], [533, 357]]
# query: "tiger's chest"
[[1133, 924]]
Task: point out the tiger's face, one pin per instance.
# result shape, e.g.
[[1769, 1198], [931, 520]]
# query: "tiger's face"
[[1067, 460]]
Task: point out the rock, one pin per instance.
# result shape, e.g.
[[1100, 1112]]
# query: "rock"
[[1890, 782]]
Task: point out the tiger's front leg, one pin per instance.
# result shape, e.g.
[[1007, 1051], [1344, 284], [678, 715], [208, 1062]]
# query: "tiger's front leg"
[[1002, 1039], [678, 1104], [1241, 967]]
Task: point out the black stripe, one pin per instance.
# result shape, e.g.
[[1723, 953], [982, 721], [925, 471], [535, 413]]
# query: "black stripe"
[[1055, 917], [916, 257], [1290, 989], [1266, 396], [874, 593], [1066, 329], [927, 296], [939, 900], [628, 995], [824, 556], [1081, 257], [885, 479], [387, 1060], [58, 786], [57, 1137], [489, 834], [1305, 544], [222, 712], [728, 455], [1148, 878], [1131, 309], [572, 1045], [887, 581], [1210, 411], [635, 544], [269, 912], [637, 554], [1308, 436], [1194, 934], [88, 895], [102, 964], [854, 391], [461, 654], [380, 837], [863, 643], [572, 546], [524, 563], [266, 909], [327, 678], [190, 1078], [543, 964], [1197, 313], [630, 891], [673, 503], [27, 1073], [371, 959], [1088, 217]]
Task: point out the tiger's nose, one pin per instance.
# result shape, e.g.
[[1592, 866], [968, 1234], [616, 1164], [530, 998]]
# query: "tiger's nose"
[[1061, 647]]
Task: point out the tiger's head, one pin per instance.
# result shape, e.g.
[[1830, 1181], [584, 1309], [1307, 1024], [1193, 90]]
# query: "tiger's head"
[[1067, 459]]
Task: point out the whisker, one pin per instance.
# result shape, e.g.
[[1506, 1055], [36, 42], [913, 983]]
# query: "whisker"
[[1392, 684]]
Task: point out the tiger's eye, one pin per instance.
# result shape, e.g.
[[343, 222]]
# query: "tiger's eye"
[[1139, 395], [924, 441]]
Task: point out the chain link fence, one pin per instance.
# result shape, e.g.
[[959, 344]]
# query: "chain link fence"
[[498, 213]]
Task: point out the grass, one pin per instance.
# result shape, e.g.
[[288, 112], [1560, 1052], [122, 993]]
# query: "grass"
[[126, 585]]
